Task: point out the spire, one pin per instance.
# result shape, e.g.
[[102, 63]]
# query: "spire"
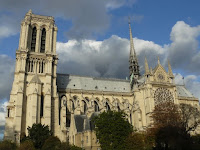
[[29, 12], [132, 49], [170, 70], [158, 60], [133, 62], [146, 66]]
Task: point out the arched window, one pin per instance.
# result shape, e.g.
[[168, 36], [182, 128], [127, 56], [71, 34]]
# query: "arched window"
[[73, 107], [42, 106], [118, 108], [8, 112], [43, 40], [33, 39], [84, 107], [68, 116], [96, 107], [130, 118], [75, 97], [107, 106]]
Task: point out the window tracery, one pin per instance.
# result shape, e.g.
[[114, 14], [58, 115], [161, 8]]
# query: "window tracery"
[[33, 39], [162, 95], [43, 40]]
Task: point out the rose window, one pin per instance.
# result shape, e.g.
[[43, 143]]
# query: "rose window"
[[162, 95]]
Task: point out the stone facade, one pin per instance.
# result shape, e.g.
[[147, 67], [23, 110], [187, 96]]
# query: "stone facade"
[[67, 103]]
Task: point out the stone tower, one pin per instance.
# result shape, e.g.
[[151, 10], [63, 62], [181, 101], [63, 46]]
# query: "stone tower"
[[34, 87], [134, 72]]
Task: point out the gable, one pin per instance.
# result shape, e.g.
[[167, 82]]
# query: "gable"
[[160, 75]]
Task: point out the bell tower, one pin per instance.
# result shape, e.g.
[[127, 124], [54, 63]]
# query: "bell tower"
[[34, 86]]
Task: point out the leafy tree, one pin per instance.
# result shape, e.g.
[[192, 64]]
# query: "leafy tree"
[[7, 145], [27, 145], [52, 143], [172, 125], [139, 141], [190, 117], [73, 147], [67, 146], [38, 133], [112, 130]]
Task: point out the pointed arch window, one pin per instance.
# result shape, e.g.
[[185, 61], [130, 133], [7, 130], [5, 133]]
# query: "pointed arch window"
[[43, 40], [96, 107], [33, 39], [42, 106], [73, 107], [107, 106], [8, 112], [84, 107], [68, 116], [130, 118], [118, 108]]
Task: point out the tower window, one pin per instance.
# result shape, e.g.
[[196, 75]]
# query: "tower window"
[[8, 112], [42, 106], [33, 40], [43, 40]]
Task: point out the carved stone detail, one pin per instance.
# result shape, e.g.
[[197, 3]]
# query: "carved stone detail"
[[162, 95]]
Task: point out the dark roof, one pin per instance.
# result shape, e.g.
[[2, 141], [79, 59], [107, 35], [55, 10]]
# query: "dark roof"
[[83, 123]]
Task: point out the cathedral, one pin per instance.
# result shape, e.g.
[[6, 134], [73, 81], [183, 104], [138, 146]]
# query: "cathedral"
[[67, 103]]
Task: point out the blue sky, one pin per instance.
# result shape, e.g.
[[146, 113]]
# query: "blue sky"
[[93, 37]]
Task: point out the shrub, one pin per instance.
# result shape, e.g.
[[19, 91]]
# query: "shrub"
[[52, 143], [27, 145], [7, 145]]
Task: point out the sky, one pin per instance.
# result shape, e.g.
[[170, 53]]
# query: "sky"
[[93, 38]]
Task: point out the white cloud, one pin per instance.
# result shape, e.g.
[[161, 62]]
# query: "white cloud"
[[7, 66], [3, 113], [9, 26], [89, 17], [183, 52], [192, 83]]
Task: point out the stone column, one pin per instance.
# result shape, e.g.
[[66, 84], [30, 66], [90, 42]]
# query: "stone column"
[[54, 39], [47, 108], [38, 40]]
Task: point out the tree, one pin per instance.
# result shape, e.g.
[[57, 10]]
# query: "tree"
[[52, 143], [172, 125], [67, 146], [38, 133], [7, 145], [112, 130], [27, 145], [139, 141], [190, 117]]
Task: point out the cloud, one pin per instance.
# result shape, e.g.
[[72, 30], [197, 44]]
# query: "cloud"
[[191, 82], [2, 118], [88, 17], [7, 66], [9, 26], [107, 58], [183, 52]]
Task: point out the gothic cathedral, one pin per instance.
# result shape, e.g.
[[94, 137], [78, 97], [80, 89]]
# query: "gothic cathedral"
[[67, 103]]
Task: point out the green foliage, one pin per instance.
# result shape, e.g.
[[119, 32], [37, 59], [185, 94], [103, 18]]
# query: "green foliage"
[[172, 125], [26, 145], [139, 141], [67, 146], [112, 130], [38, 133], [75, 148], [52, 143], [7, 145]]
